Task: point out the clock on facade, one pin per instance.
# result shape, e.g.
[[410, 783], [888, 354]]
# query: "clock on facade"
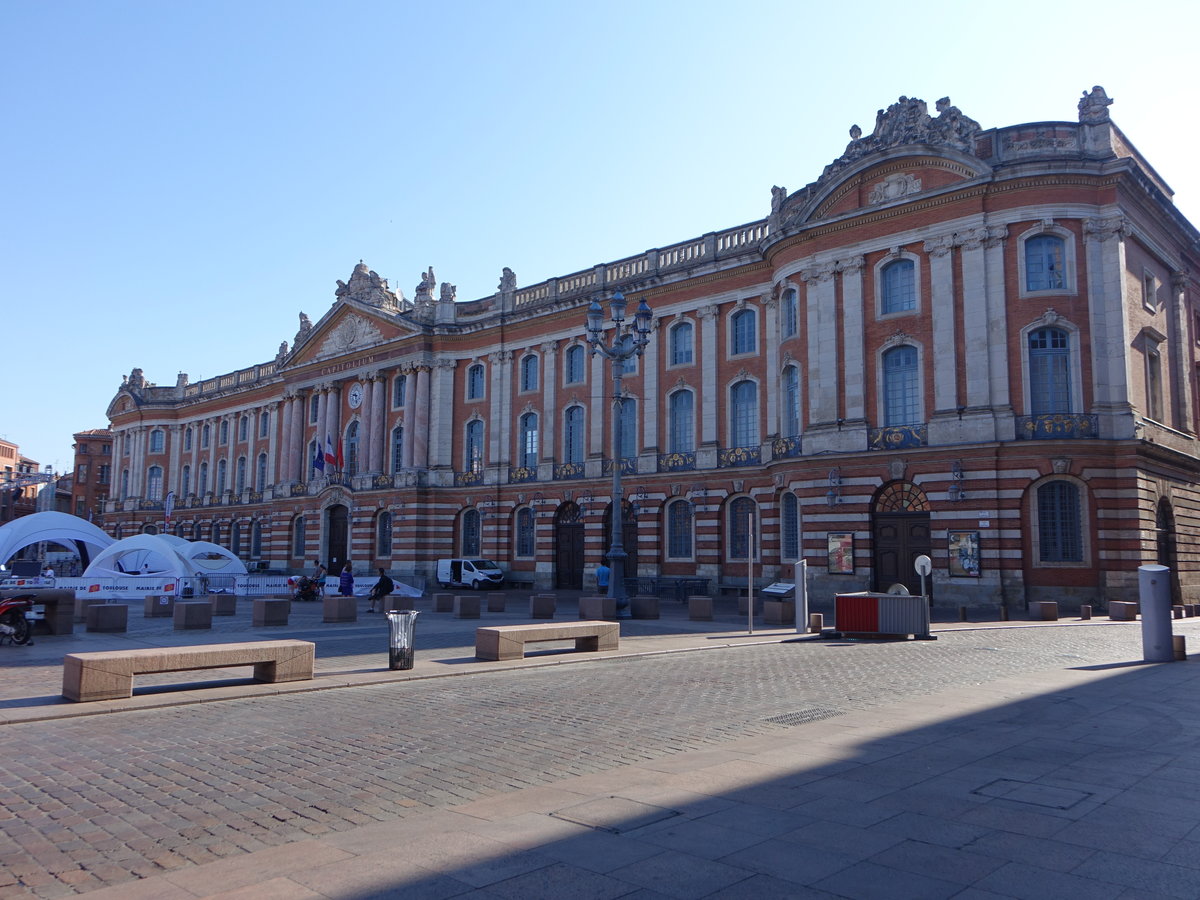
[[356, 395]]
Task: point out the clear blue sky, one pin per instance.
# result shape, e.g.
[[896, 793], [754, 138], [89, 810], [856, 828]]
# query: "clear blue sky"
[[182, 179]]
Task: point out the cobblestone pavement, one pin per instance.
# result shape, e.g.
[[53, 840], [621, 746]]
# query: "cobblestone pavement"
[[99, 800]]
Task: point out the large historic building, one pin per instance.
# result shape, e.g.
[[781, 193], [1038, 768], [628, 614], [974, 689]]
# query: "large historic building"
[[978, 344]]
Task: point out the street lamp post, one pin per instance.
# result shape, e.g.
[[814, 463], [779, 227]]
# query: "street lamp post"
[[626, 342]]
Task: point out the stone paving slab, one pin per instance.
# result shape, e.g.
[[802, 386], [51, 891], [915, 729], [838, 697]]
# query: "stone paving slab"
[[450, 786]]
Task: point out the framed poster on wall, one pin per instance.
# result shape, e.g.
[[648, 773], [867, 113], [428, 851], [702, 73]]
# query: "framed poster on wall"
[[964, 554], [841, 553]]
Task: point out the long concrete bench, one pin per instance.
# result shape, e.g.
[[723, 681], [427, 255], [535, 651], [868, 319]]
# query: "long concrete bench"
[[500, 642], [108, 674]]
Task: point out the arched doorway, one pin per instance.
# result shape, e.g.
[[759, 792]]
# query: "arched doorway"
[[900, 533], [568, 547], [1164, 535], [337, 527], [629, 536]]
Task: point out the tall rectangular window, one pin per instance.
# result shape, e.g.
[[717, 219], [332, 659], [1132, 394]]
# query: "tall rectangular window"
[[681, 344], [573, 364], [475, 382], [791, 401], [629, 435], [399, 390], [679, 530], [1154, 381], [682, 431], [1049, 372], [742, 324], [901, 394], [789, 314], [743, 414], [1060, 538], [573, 435]]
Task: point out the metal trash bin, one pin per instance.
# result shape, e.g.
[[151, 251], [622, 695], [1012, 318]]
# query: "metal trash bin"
[[401, 624]]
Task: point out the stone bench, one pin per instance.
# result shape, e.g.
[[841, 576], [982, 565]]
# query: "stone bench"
[[193, 615], [501, 642], [1122, 610], [108, 675], [1044, 610], [108, 618]]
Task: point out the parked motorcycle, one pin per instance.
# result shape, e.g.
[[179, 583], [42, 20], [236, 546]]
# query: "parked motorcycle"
[[15, 614]]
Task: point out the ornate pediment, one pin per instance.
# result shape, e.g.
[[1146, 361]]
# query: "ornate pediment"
[[350, 334]]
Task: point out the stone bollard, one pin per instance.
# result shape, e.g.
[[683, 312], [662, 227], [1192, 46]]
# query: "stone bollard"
[[337, 608], [1179, 647], [962, 614], [397, 603], [643, 606], [1003, 613], [466, 606], [159, 606], [108, 618], [496, 601], [542, 606], [1085, 612], [1044, 610], [271, 611], [443, 603], [598, 607], [1176, 612], [223, 604], [816, 623], [193, 615], [700, 608]]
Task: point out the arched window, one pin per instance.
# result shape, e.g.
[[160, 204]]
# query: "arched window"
[[256, 538], [244, 428], [790, 401], [679, 529], [239, 481], [154, 483], [573, 435], [1049, 371], [260, 473], [314, 407], [681, 432], [185, 481], [224, 431], [526, 544], [1060, 533], [529, 373], [629, 432], [1045, 268], [264, 424], [187, 439], [789, 526], [901, 387], [573, 365], [470, 533], [475, 382], [789, 313], [205, 435], [202, 482], [157, 440], [474, 446], [742, 339], [216, 533], [898, 285], [399, 391], [222, 475], [196, 531], [527, 453], [179, 529], [681, 343], [743, 414], [124, 483], [299, 538], [351, 456], [741, 512], [383, 534], [397, 449], [149, 528]]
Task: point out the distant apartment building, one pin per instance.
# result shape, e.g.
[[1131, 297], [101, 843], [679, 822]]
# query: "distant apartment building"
[[92, 475]]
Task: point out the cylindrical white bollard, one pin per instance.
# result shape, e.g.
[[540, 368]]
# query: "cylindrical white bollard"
[[1154, 592]]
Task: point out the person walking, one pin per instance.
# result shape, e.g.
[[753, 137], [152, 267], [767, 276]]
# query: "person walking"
[[346, 581], [602, 575], [318, 576], [382, 588]]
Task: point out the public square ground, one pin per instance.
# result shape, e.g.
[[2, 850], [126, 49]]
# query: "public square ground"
[[1018, 759]]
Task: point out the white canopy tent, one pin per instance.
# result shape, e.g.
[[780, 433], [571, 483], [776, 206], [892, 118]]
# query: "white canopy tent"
[[141, 554], [52, 527]]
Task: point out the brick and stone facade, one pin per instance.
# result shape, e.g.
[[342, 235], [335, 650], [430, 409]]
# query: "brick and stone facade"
[[975, 344]]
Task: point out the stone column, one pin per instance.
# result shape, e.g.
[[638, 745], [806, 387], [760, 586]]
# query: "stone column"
[[302, 459], [334, 423], [420, 428], [273, 427], [1180, 354], [231, 453], [709, 347], [822, 343], [551, 423], [650, 401], [943, 351], [441, 420], [1104, 243], [286, 462], [854, 364], [598, 408], [377, 395], [997, 315], [323, 404], [499, 426], [976, 319], [410, 416], [171, 479]]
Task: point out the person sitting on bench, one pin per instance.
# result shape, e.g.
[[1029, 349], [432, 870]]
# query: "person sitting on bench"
[[382, 588]]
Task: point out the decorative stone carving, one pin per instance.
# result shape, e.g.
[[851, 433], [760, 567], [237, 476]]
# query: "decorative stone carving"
[[940, 246], [893, 188], [508, 280], [449, 292], [1093, 106], [351, 333], [1106, 229], [366, 287], [306, 327], [283, 351], [897, 468], [425, 288], [852, 265], [823, 272], [1061, 465], [907, 121], [896, 338]]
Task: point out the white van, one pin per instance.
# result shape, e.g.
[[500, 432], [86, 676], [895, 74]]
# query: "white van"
[[473, 573]]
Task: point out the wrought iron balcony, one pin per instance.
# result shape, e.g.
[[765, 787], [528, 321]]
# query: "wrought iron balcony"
[[522, 474], [628, 466], [1054, 426], [679, 461], [465, 479], [896, 437], [566, 471], [738, 456], [782, 448]]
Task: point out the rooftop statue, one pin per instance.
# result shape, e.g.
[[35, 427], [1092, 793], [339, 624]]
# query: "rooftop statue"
[[1093, 106]]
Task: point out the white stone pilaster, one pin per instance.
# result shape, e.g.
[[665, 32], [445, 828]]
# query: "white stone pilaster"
[[943, 351]]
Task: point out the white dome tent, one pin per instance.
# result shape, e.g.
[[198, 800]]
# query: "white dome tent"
[[141, 554], [53, 528], [207, 558]]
